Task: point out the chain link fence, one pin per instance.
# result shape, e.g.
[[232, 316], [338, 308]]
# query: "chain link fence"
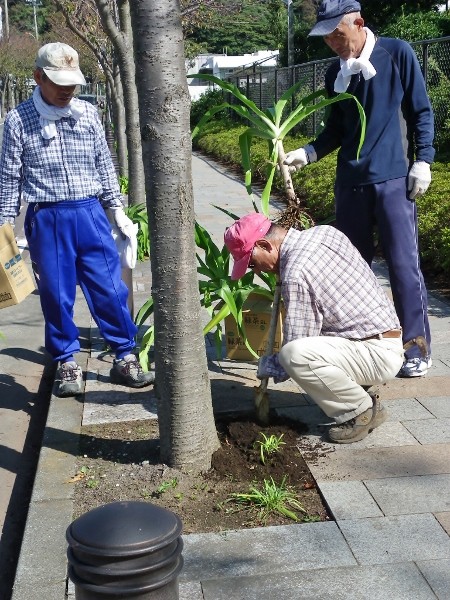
[[265, 85]]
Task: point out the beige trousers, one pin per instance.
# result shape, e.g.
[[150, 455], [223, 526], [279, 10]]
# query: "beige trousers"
[[331, 370]]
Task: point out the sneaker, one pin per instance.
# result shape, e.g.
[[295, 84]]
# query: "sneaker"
[[71, 378], [415, 367], [359, 427], [128, 371]]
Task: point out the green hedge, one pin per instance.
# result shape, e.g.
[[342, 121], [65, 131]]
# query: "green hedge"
[[314, 185]]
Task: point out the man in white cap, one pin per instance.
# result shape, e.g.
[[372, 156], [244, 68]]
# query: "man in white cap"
[[56, 159], [378, 188]]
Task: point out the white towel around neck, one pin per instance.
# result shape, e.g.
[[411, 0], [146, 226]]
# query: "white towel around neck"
[[48, 114], [352, 66]]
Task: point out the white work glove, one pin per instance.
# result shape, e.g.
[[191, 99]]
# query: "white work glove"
[[262, 373], [419, 178], [124, 232], [124, 223], [297, 159]]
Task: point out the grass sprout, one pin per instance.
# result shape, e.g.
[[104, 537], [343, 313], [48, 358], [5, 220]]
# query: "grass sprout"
[[269, 445], [271, 498], [166, 485]]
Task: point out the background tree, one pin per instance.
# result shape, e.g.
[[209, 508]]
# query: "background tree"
[[116, 22], [187, 431], [247, 31], [83, 21], [377, 15], [21, 16], [17, 56]]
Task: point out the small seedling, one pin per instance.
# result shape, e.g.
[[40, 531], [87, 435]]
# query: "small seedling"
[[269, 445], [92, 483], [166, 485], [271, 498]]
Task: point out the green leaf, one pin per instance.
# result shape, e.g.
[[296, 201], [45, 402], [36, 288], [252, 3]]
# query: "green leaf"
[[229, 87]]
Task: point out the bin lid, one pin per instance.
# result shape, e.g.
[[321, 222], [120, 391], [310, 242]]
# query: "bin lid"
[[124, 528]]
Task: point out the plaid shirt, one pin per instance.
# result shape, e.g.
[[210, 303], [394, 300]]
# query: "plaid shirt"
[[328, 289], [73, 165]]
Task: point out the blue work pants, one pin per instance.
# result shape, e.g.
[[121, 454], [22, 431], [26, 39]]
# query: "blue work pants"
[[70, 242], [387, 206]]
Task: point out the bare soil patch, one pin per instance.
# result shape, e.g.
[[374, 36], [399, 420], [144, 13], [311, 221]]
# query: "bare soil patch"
[[120, 461]]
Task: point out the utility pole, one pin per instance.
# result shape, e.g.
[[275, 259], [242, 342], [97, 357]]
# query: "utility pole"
[[35, 3], [290, 12], [6, 21]]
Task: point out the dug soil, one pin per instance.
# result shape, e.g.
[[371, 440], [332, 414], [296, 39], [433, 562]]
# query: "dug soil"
[[120, 461]]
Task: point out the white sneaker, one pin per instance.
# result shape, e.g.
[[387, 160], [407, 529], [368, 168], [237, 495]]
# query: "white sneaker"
[[415, 367]]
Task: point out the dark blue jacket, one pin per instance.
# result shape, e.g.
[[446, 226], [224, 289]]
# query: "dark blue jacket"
[[400, 126]]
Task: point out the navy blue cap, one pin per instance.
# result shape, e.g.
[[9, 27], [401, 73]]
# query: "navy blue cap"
[[330, 13]]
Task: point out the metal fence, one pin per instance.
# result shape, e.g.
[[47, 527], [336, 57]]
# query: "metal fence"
[[264, 85]]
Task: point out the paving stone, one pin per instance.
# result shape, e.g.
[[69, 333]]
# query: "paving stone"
[[311, 415], [439, 407], [390, 434], [439, 368], [396, 539], [233, 389], [55, 468], [444, 520], [191, 591], [430, 431], [106, 403], [437, 573], [411, 495], [46, 590], [378, 463], [415, 387], [349, 500], [264, 550], [403, 409], [396, 582], [43, 552]]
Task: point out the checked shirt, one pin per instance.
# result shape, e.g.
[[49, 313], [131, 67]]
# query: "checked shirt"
[[328, 289], [75, 164]]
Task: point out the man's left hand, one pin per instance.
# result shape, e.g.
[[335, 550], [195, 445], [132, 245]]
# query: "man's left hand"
[[124, 223], [262, 373], [419, 179]]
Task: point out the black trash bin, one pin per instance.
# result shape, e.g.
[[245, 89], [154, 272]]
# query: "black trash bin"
[[125, 550]]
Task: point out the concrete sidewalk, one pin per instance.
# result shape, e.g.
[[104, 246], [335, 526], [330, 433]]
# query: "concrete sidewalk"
[[389, 494]]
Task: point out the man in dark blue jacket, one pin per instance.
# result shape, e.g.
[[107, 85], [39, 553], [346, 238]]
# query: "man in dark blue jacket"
[[380, 187]]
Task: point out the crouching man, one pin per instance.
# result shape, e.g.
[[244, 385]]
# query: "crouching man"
[[340, 334]]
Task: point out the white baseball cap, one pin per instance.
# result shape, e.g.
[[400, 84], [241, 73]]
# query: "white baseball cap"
[[60, 63]]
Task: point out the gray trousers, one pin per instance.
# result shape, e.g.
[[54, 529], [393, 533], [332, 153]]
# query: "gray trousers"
[[331, 370]]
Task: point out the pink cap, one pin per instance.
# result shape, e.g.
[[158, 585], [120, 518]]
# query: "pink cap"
[[240, 239]]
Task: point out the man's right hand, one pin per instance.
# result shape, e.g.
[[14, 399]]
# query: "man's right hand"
[[296, 159]]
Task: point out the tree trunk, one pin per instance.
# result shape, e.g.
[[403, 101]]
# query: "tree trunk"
[[118, 114], [123, 45], [187, 430]]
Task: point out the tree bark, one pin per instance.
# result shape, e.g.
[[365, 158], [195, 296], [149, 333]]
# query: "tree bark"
[[187, 430]]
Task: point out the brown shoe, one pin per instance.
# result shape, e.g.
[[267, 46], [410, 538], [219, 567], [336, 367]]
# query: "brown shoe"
[[359, 427]]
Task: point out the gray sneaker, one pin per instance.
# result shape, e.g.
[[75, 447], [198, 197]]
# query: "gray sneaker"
[[129, 372], [359, 427], [71, 379]]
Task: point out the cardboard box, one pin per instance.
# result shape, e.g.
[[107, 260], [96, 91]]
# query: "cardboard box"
[[257, 313], [16, 282]]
